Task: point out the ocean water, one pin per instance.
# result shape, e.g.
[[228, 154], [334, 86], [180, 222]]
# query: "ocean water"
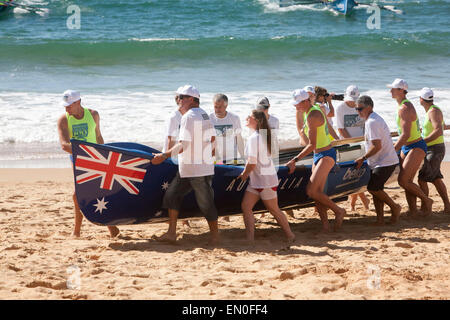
[[128, 58]]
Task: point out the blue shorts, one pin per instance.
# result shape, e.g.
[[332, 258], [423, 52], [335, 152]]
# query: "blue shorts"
[[419, 144], [328, 153]]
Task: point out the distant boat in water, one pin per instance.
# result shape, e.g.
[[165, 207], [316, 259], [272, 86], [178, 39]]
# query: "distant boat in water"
[[341, 6]]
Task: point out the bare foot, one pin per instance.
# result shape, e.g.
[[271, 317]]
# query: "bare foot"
[[113, 231], [428, 207], [339, 219], [76, 235], [290, 213], [395, 213], [166, 237], [291, 239], [447, 209], [186, 223]]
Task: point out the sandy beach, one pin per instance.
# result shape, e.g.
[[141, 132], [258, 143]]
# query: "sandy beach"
[[40, 260]]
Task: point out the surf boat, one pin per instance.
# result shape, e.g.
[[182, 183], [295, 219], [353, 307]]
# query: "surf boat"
[[116, 183], [341, 6]]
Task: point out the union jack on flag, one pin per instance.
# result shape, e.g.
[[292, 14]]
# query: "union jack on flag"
[[109, 170]]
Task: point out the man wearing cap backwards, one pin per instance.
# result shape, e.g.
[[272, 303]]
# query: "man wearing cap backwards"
[[195, 168], [413, 147], [433, 134], [381, 158], [83, 124], [323, 160], [350, 125]]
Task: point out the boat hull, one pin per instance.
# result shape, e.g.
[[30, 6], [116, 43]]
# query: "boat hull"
[[108, 196], [342, 6]]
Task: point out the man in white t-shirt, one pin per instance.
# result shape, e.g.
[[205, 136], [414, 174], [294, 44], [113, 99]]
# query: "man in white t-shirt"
[[228, 131], [173, 124], [348, 122], [263, 104], [350, 125], [381, 158], [195, 168]]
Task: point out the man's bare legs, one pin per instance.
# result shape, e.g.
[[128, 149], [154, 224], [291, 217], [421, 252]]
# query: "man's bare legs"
[[363, 198], [113, 230], [409, 166], [441, 189], [380, 198]]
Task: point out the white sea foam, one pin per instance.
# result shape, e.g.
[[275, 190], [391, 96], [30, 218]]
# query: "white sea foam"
[[29, 129]]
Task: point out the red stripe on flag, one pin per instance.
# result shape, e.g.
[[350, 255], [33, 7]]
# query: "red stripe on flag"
[[89, 178], [85, 148], [131, 186]]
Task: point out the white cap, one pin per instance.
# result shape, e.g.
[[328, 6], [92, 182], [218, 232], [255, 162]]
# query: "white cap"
[[426, 93], [398, 84], [178, 90], [309, 89], [262, 103], [299, 95], [351, 93], [189, 90], [69, 97]]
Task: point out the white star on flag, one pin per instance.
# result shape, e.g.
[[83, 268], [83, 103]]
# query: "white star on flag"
[[165, 185], [101, 205]]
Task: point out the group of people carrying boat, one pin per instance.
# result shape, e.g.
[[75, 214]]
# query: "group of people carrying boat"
[[198, 140]]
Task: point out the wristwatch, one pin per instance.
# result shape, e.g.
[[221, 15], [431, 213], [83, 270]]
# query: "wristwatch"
[[295, 159], [364, 157]]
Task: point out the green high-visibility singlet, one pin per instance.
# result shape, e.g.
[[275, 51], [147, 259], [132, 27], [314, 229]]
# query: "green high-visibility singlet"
[[323, 137], [82, 129], [428, 129], [415, 126]]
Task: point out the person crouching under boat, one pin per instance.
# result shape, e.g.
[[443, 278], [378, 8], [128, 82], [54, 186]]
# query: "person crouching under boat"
[[324, 158], [413, 147], [433, 135], [381, 158], [263, 176]]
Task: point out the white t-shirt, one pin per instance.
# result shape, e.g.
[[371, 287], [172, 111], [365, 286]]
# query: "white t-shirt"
[[264, 174], [327, 111], [348, 118], [227, 129], [196, 159], [172, 128], [377, 129]]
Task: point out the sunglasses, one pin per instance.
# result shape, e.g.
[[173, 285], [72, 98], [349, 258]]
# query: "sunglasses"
[[359, 109], [181, 97]]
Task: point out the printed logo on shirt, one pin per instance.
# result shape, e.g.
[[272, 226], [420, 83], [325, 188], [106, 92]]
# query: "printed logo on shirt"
[[80, 131], [352, 120], [205, 116], [223, 130]]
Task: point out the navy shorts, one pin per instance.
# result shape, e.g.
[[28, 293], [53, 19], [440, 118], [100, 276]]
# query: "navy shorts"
[[328, 153], [419, 144]]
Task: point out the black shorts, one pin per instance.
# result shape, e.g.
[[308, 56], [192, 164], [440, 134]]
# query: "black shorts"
[[379, 176], [431, 169], [204, 194]]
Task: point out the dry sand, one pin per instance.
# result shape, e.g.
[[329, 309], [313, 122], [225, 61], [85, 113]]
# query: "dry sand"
[[39, 259]]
